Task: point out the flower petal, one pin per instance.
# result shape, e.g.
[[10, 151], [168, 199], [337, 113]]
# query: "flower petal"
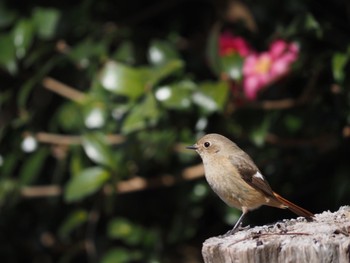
[[249, 64], [251, 86], [279, 68], [277, 48], [229, 44]]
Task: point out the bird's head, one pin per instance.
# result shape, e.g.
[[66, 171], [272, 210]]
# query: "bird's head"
[[213, 144]]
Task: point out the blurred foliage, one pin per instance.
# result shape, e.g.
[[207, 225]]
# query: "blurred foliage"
[[152, 74]]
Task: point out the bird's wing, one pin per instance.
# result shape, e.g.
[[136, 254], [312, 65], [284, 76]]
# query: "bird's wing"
[[251, 174]]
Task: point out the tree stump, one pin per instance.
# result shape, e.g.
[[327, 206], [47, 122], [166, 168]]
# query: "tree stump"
[[326, 239]]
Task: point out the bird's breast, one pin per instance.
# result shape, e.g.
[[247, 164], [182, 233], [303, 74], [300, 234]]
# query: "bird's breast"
[[227, 183]]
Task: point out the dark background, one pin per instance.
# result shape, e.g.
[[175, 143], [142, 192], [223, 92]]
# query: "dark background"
[[48, 215]]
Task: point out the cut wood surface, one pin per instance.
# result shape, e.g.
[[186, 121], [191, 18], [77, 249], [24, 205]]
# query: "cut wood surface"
[[326, 239]]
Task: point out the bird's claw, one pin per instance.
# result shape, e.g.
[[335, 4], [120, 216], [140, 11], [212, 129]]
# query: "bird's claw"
[[235, 230]]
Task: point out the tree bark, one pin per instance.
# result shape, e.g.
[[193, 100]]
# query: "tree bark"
[[326, 239]]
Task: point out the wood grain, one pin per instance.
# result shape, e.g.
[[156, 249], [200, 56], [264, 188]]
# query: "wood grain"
[[325, 240]]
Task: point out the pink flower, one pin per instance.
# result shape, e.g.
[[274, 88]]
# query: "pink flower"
[[260, 70], [229, 44]]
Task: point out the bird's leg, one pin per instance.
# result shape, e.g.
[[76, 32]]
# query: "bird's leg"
[[238, 224]]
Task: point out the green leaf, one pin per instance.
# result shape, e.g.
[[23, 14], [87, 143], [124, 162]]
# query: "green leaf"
[[123, 229], [7, 53], [119, 228], [97, 149], [212, 50], [177, 95], [121, 255], [95, 115], [211, 96], [142, 115], [157, 74], [293, 123], [9, 191], [86, 183], [9, 164], [84, 51], [125, 53], [232, 65], [122, 80], [32, 166], [73, 221], [76, 160], [46, 20], [259, 133], [150, 109], [339, 61], [134, 121], [70, 117], [161, 52], [23, 37], [312, 24]]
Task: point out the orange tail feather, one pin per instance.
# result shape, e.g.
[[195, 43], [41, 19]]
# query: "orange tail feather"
[[294, 208]]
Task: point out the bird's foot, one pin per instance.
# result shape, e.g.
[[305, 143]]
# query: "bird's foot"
[[235, 230]]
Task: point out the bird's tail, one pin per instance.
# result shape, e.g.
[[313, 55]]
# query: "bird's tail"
[[294, 208]]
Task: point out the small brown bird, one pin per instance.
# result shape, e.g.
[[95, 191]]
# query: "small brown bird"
[[235, 178]]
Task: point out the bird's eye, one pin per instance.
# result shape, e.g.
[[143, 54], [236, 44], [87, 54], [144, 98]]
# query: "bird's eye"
[[206, 144]]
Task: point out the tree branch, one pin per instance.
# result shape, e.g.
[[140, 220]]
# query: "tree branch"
[[132, 185], [295, 142], [59, 139], [63, 90], [52, 138], [41, 191]]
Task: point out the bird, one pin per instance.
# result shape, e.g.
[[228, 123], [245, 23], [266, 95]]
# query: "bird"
[[235, 178]]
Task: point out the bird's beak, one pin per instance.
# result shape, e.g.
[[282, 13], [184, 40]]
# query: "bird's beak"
[[192, 147]]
